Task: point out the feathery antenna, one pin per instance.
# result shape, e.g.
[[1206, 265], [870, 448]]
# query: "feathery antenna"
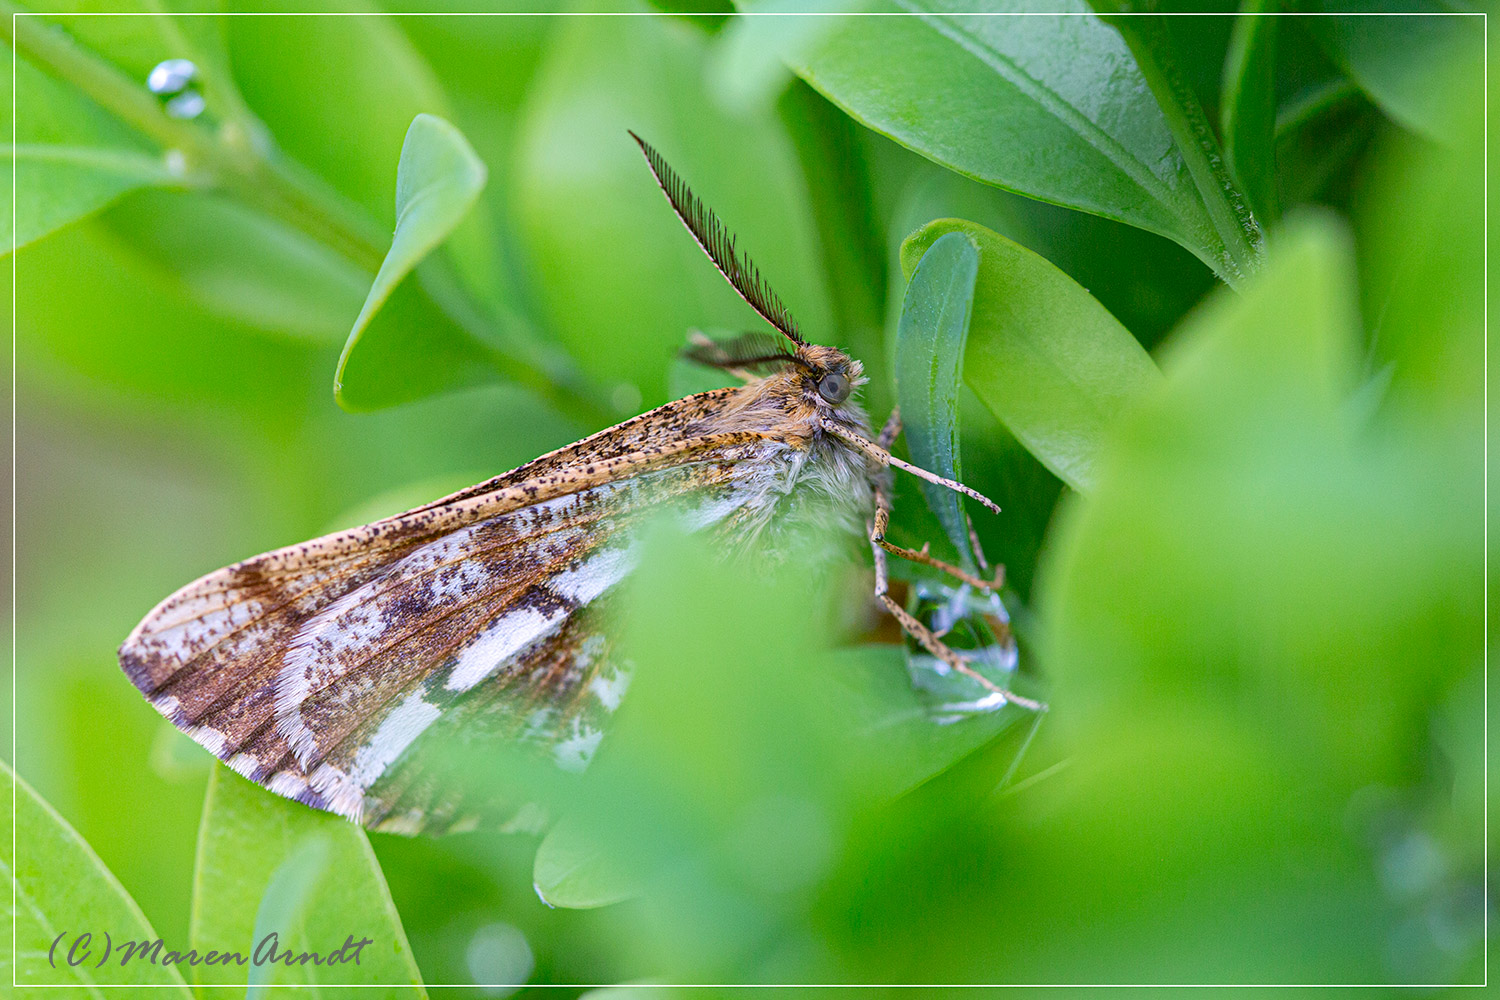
[[719, 243]]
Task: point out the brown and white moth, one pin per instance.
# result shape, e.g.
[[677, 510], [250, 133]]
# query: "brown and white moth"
[[328, 671]]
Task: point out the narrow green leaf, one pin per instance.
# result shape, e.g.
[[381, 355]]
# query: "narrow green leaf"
[[267, 866], [402, 346], [1046, 358], [1412, 66], [1247, 107], [930, 341], [984, 95], [62, 889]]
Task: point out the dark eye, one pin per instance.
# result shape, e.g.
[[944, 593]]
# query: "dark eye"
[[834, 387]]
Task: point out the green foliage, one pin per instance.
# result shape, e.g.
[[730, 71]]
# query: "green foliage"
[[1044, 356], [1183, 601], [1412, 66], [980, 94], [438, 180], [308, 878], [1248, 114], [62, 891], [605, 254], [1243, 555]]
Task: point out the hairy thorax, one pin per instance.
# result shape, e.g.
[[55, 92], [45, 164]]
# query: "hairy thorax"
[[805, 486]]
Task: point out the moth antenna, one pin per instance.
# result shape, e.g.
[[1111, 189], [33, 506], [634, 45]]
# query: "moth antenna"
[[886, 458], [719, 243]]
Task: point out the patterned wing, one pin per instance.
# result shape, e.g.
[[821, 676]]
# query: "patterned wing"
[[316, 670]]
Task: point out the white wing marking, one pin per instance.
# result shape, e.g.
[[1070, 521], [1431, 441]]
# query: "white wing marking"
[[507, 636]]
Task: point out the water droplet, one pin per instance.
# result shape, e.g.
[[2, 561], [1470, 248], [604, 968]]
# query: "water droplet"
[[188, 104], [975, 625], [171, 76], [176, 163]]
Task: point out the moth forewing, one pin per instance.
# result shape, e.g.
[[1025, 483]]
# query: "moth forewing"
[[340, 672]]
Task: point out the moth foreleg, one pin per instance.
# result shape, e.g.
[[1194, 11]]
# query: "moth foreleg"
[[892, 429], [924, 635], [877, 538], [921, 632]]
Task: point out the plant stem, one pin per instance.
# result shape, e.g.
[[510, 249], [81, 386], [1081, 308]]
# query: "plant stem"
[[277, 187]]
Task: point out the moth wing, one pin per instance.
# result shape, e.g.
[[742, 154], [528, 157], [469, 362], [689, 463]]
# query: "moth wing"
[[313, 669], [553, 700]]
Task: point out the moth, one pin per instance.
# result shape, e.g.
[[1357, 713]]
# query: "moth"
[[329, 671]]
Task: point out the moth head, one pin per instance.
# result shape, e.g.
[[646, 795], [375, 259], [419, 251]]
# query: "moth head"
[[827, 375]]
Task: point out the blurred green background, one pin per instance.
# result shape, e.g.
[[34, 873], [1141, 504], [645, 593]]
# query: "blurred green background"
[[1251, 587]]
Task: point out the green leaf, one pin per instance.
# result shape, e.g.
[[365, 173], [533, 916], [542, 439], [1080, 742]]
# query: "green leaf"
[[574, 871], [739, 780], [71, 158], [269, 866], [402, 346], [1411, 66], [1154, 47], [1422, 240], [983, 94], [1287, 550], [1247, 108], [240, 264], [62, 888], [930, 341], [1046, 358], [1252, 621], [617, 278]]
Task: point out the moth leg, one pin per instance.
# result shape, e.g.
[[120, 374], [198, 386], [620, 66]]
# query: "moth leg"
[[984, 564], [877, 538], [915, 628], [888, 435], [932, 643]]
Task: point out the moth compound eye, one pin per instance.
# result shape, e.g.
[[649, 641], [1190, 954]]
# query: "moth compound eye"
[[834, 387]]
